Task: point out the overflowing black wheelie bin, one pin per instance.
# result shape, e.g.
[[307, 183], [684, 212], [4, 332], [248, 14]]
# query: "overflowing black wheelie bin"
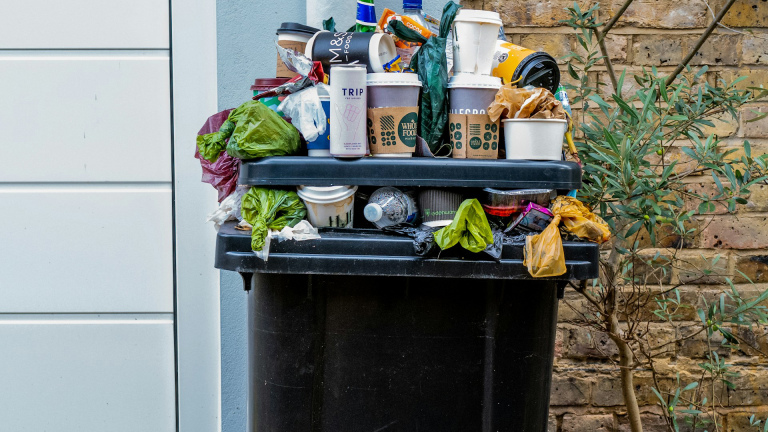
[[355, 332]]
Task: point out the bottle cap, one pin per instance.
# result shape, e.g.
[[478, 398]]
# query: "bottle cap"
[[411, 4], [373, 212]]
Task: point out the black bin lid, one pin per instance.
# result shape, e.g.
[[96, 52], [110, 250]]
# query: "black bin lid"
[[296, 28]]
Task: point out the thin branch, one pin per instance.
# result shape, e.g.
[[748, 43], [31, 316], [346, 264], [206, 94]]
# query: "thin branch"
[[615, 18], [700, 42]]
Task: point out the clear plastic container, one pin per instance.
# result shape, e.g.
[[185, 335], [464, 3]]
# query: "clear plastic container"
[[390, 206]]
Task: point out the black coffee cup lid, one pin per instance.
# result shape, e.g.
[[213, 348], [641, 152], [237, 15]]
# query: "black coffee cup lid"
[[292, 27]]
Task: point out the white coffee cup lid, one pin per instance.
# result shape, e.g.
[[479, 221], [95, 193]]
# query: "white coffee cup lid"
[[325, 194], [393, 79], [373, 212], [481, 16], [469, 80]]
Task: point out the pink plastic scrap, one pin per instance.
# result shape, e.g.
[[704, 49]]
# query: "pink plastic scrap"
[[223, 173]]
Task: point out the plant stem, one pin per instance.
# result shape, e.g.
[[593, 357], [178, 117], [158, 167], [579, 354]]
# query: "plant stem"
[[700, 42], [606, 58], [615, 18]]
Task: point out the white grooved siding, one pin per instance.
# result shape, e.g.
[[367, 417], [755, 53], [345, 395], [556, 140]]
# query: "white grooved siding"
[[89, 198]]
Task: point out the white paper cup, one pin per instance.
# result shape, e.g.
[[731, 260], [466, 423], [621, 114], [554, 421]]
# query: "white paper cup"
[[331, 206], [534, 139], [474, 41]]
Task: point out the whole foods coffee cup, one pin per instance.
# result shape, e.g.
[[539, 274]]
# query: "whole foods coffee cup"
[[331, 206], [293, 36], [474, 40], [513, 63], [472, 133], [393, 113], [438, 206], [373, 50]]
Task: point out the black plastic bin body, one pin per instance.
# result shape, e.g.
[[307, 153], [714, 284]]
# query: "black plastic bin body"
[[355, 332], [368, 353]]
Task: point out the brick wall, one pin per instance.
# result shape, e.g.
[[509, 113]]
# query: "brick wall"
[[586, 394]]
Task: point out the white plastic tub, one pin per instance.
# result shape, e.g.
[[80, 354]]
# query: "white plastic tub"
[[534, 139]]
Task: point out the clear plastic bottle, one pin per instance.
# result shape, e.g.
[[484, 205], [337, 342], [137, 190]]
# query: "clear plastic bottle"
[[412, 9], [390, 206]]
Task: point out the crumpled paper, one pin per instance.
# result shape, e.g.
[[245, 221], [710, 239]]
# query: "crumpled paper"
[[229, 209], [300, 232], [512, 102]]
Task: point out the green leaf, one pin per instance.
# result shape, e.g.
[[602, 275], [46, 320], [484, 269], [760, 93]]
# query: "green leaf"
[[634, 228], [691, 386], [758, 116], [626, 108]]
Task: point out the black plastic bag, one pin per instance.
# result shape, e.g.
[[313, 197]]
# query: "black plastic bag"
[[430, 64]]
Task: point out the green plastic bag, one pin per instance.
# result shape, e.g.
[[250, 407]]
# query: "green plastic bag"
[[469, 228], [430, 64], [267, 209], [254, 131]]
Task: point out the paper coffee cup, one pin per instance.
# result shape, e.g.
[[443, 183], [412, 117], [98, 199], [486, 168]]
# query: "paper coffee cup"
[[534, 139], [472, 133], [373, 50], [331, 206], [393, 113], [293, 36], [474, 40], [438, 206]]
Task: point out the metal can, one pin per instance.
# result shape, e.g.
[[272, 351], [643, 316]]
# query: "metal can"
[[348, 111]]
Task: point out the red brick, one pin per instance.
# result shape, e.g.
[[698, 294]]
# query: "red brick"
[[754, 129], [607, 391], [663, 13], [736, 232], [587, 423], [569, 391], [754, 49], [744, 13], [720, 50], [657, 50], [755, 267], [585, 343]]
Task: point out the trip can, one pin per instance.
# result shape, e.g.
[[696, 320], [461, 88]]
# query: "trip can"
[[348, 111]]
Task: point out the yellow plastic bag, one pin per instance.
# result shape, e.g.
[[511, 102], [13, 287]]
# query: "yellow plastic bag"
[[543, 253]]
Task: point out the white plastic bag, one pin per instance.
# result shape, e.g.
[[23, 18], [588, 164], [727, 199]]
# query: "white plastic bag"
[[306, 112], [302, 231]]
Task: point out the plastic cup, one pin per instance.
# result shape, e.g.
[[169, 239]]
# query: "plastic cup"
[[534, 139], [391, 90], [331, 206], [474, 40], [293, 36]]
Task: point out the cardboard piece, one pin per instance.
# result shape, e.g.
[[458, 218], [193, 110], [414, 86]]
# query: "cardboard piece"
[[282, 69], [474, 136], [393, 129]]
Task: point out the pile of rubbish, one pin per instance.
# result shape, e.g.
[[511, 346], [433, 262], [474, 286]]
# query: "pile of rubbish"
[[404, 85]]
